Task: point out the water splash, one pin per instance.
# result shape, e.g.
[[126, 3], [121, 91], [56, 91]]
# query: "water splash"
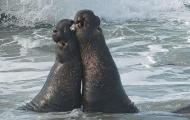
[[50, 11]]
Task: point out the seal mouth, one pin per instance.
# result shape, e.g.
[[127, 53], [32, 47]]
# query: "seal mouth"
[[61, 44], [79, 23]]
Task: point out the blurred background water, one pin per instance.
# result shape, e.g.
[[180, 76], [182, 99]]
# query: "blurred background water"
[[148, 39]]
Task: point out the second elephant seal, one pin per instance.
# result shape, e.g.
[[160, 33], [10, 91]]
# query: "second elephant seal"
[[102, 88], [183, 110], [61, 91]]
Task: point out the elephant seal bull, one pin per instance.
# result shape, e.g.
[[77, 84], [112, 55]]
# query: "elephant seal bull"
[[183, 110], [61, 91], [102, 89]]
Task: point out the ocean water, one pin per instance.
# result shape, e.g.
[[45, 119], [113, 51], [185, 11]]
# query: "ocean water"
[[148, 39]]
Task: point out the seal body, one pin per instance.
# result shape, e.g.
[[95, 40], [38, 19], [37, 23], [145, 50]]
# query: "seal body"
[[183, 110], [61, 91], [102, 89]]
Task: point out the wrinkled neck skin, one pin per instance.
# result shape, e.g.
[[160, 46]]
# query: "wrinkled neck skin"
[[87, 38], [67, 53], [61, 54], [93, 48]]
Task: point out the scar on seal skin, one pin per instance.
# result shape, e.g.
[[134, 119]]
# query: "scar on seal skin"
[[61, 91], [102, 89]]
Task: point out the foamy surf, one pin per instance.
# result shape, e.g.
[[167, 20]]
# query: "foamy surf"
[[51, 11]]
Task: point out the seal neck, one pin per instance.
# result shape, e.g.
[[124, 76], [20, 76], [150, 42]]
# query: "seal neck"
[[69, 52]]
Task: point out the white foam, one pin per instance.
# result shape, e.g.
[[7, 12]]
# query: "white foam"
[[17, 76], [13, 88], [53, 10], [138, 99], [144, 58], [8, 43], [116, 40], [140, 77], [157, 48], [123, 62], [13, 65], [163, 98], [29, 42], [149, 56], [188, 38], [137, 43]]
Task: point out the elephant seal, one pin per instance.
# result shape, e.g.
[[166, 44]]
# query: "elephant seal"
[[61, 91], [102, 89], [183, 110]]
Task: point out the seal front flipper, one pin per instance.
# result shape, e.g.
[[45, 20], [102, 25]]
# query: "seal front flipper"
[[61, 91], [29, 107]]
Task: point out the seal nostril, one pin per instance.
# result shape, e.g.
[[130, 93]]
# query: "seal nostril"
[[63, 43], [54, 31], [80, 23]]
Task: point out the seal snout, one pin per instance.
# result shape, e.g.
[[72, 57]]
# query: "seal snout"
[[62, 31], [62, 44], [55, 31], [79, 22], [86, 18]]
